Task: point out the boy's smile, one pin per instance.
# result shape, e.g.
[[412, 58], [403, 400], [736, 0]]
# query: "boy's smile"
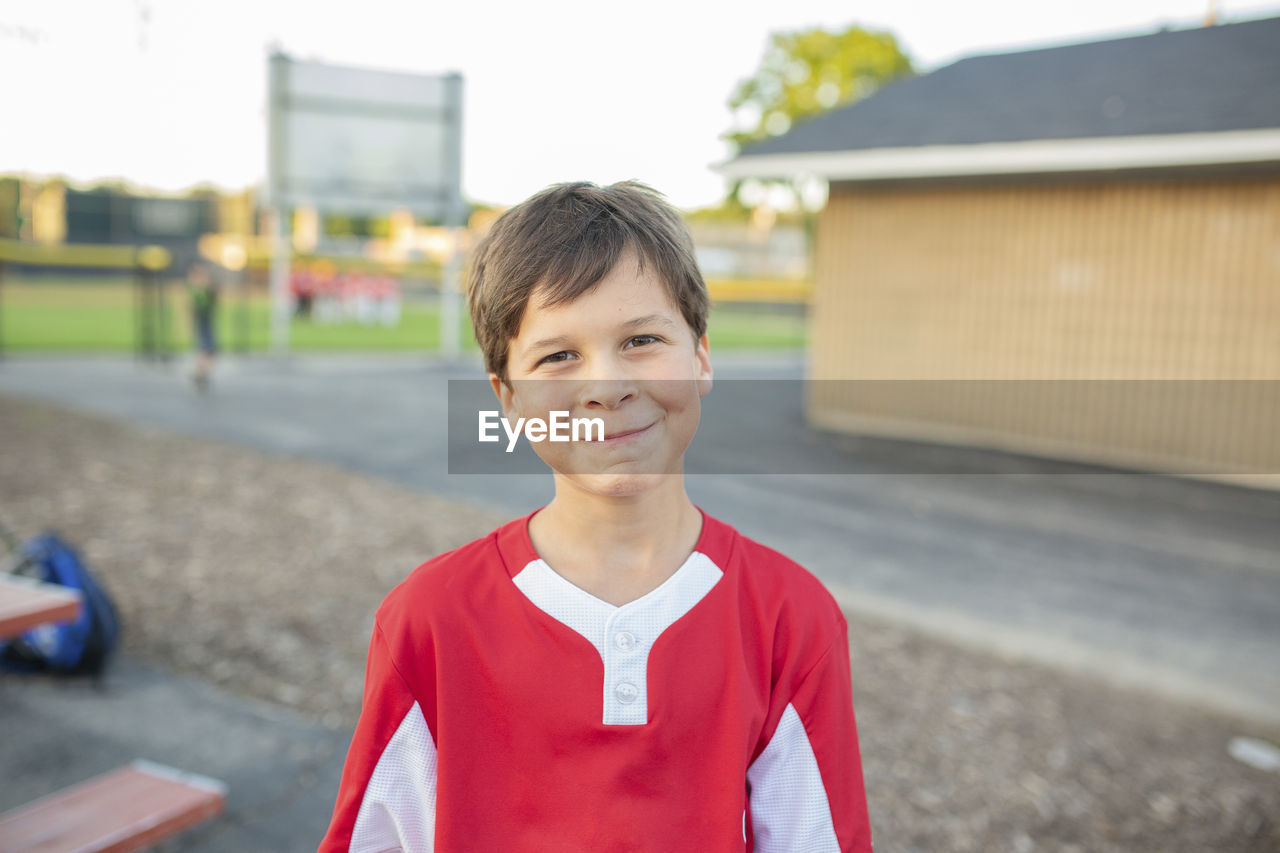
[[621, 352]]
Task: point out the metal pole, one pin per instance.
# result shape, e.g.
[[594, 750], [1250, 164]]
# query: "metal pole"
[[162, 320], [146, 342], [138, 305], [1, 309], [242, 311], [451, 296], [277, 179], [280, 261], [451, 300], [153, 315]]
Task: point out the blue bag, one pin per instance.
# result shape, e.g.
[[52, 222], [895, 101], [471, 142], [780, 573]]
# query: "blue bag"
[[83, 645]]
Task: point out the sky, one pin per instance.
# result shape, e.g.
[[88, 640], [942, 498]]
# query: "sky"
[[170, 93]]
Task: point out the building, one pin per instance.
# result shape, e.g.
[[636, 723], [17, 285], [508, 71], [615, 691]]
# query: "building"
[[1099, 211]]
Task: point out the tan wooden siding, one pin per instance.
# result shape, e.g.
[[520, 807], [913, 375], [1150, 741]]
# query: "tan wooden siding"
[[1161, 280]]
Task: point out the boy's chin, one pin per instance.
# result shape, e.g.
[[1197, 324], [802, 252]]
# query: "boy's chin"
[[617, 485]]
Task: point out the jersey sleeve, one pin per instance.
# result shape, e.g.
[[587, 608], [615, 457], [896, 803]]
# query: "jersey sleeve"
[[806, 787], [387, 797]]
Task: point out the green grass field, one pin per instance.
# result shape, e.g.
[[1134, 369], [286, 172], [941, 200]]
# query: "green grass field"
[[63, 314]]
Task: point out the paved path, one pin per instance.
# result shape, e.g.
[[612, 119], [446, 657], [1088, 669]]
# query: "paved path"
[[1151, 581], [62, 731]]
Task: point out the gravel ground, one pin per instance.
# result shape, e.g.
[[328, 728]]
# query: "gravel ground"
[[261, 574]]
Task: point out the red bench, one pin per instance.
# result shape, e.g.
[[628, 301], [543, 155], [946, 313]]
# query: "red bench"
[[26, 603], [126, 809]]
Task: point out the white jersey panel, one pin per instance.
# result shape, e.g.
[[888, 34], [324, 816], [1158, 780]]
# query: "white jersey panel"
[[789, 807], [398, 812], [564, 602], [622, 635]]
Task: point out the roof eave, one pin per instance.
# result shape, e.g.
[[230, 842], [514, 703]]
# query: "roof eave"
[[1038, 156]]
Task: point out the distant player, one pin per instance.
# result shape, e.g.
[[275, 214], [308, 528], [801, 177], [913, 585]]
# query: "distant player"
[[204, 309]]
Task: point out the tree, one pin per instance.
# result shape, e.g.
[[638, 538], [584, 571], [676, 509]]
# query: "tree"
[[808, 72]]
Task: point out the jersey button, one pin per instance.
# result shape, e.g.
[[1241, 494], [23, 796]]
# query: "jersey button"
[[625, 640], [626, 692]]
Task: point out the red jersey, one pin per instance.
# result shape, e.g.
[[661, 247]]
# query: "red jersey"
[[506, 709]]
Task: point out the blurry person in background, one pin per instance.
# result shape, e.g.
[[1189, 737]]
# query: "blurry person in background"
[[204, 307]]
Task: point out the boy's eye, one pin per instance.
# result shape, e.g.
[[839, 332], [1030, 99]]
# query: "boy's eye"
[[643, 340], [563, 355]]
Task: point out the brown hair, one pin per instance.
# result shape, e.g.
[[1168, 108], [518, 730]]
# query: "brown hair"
[[567, 238]]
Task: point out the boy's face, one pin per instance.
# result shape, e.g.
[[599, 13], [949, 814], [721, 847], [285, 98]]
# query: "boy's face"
[[623, 353]]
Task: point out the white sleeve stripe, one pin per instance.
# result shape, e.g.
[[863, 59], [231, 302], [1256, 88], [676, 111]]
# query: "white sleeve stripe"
[[398, 812], [789, 806]]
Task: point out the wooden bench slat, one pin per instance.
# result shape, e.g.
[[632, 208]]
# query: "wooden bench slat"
[[123, 810], [25, 603]]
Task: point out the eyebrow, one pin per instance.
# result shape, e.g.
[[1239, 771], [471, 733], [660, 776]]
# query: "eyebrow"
[[557, 341], [648, 320]]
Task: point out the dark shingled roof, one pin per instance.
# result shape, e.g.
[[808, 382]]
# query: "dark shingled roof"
[[1187, 81]]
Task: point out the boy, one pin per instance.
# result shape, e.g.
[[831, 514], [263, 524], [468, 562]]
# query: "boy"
[[618, 670]]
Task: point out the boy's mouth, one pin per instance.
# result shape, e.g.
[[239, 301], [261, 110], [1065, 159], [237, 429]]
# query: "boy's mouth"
[[623, 435]]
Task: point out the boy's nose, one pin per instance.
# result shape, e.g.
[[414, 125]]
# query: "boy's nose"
[[608, 393]]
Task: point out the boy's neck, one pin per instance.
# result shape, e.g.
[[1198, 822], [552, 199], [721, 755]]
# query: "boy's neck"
[[617, 549]]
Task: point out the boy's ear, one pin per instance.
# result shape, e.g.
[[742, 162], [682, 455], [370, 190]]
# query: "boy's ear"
[[505, 395], [702, 365]]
